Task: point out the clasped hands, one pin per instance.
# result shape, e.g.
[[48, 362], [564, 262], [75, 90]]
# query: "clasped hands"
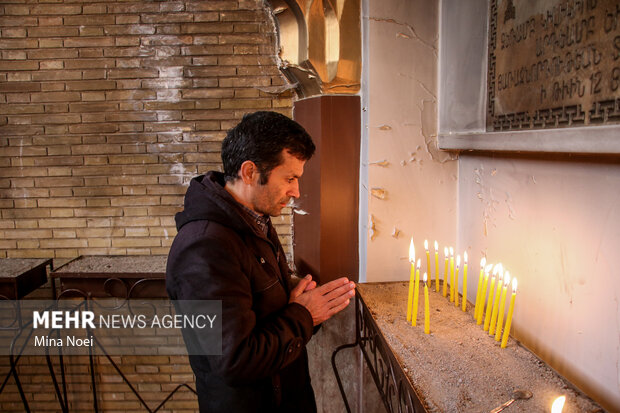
[[324, 301]]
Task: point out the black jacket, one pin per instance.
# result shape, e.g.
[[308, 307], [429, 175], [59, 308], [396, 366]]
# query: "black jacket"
[[219, 253]]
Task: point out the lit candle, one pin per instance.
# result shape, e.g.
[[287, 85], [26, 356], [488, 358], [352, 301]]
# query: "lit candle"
[[483, 262], [483, 295], [495, 307], [451, 274], [487, 317], [502, 303], [511, 308], [436, 267], [558, 404], [427, 314], [456, 281], [445, 273], [411, 279], [416, 293], [464, 307], [428, 258]]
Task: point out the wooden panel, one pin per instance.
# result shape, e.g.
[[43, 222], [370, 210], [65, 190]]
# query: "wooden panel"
[[326, 238]]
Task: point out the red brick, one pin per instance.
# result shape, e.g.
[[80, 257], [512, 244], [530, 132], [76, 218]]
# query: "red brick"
[[88, 20], [132, 73], [210, 27], [118, 8], [129, 29], [20, 87], [89, 42], [17, 21], [91, 85], [94, 9], [93, 128], [218, 5], [52, 31], [166, 40], [168, 17], [52, 54], [55, 97], [14, 32], [50, 21], [57, 9], [88, 63], [18, 64]]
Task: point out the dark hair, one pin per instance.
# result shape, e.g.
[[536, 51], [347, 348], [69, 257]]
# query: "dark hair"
[[260, 137]]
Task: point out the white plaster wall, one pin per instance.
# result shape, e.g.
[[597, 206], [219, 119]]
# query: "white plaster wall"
[[555, 225], [401, 76]]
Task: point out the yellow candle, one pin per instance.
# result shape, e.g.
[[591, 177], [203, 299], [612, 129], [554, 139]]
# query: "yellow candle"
[[411, 279], [445, 273], [495, 307], [436, 267], [464, 307], [511, 308], [428, 258], [483, 262], [451, 274], [502, 303], [416, 293], [427, 315], [483, 295], [456, 281], [487, 317]]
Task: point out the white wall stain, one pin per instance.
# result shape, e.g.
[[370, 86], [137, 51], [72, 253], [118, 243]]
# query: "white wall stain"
[[378, 193], [383, 163]]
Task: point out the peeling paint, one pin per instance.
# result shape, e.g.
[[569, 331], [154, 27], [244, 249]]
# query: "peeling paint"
[[534, 179], [403, 163], [403, 35], [371, 228], [385, 127], [379, 193], [411, 30], [383, 163], [395, 232]]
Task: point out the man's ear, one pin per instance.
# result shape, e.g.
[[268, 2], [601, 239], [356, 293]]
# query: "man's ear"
[[249, 172]]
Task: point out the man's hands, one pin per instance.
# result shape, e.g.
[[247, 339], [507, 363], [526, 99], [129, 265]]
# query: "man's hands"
[[324, 301]]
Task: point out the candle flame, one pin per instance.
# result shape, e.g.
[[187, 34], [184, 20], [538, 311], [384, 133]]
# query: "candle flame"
[[458, 260], [424, 278], [451, 251], [497, 268], [483, 262], [487, 269], [418, 264], [514, 285], [411, 252], [445, 252], [426, 244], [506, 279], [436, 246], [465, 258], [558, 404]]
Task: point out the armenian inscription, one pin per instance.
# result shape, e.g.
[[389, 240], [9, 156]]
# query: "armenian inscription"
[[553, 63]]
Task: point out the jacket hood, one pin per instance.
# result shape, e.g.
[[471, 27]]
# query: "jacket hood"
[[206, 199]]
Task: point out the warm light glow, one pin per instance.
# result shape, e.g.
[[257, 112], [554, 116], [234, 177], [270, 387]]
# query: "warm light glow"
[[411, 252], [436, 246], [451, 252], [418, 264], [445, 252], [458, 260], [514, 285], [465, 258], [558, 404], [487, 269], [483, 262], [424, 278], [506, 279], [426, 245]]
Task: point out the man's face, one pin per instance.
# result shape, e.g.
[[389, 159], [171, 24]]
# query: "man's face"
[[282, 185]]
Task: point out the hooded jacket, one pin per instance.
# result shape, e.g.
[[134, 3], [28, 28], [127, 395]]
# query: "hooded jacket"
[[220, 253]]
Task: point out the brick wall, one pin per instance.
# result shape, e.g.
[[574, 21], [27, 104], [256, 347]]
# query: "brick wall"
[[107, 109]]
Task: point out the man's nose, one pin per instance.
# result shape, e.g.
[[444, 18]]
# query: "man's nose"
[[294, 190]]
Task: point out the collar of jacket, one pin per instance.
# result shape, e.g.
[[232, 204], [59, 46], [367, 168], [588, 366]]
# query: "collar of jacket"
[[207, 199]]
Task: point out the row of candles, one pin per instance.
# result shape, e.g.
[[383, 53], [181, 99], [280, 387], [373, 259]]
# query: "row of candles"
[[494, 303]]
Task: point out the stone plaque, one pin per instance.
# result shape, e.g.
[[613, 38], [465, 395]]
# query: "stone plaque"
[[553, 63]]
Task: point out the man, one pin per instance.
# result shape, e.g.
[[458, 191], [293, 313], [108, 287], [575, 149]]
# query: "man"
[[227, 249]]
